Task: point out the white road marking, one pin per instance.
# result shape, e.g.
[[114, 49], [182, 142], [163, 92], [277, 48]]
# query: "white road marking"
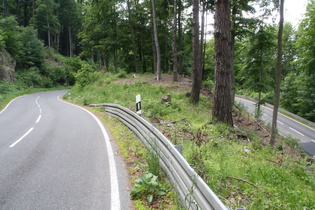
[[9, 104], [280, 122], [115, 197], [37, 101], [40, 110], [296, 131], [313, 140], [20, 139], [281, 114], [38, 119]]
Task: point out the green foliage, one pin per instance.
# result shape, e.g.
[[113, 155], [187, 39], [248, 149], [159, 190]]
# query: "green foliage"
[[148, 186], [84, 75], [305, 88], [256, 74], [31, 52], [9, 33], [32, 77], [215, 151]]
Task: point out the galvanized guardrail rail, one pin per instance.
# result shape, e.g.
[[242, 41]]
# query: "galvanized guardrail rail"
[[193, 191]]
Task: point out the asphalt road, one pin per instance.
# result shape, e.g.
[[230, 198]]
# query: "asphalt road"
[[286, 126], [55, 155]]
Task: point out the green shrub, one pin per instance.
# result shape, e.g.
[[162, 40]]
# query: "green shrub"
[[83, 76]]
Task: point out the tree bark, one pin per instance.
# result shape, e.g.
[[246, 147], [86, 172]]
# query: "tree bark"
[[222, 106], [202, 36], [154, 66], [174, 48], [132, 38], [156, 41], [180, 57], [70, 42], [167, 68], [278, 78], [197, 78], [233, 35]]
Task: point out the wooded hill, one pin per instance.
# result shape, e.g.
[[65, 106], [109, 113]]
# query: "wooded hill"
[[156, 36]]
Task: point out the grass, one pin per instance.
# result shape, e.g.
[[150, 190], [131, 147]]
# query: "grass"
[[9, 91], [241, 171], [139, 161]]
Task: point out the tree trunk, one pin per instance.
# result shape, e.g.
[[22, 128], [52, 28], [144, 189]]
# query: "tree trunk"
[[70, 42], [48, 35], [132, 38], [180, 57], [202, 36], [167, 67], [154, 64], [156, 41], [143, 65], [175, 70], [233, 35], [222, 106], [197, 74], [278, 78]]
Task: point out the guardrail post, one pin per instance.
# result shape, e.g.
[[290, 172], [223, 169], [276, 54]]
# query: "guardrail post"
[[179, 148]]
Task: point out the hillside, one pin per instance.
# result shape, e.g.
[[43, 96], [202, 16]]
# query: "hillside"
[[237, 163]]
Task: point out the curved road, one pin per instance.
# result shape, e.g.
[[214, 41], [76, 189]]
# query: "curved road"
[[55, 155], [286, 126]]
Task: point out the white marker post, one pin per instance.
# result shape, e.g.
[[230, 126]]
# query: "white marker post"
[[138, 104]]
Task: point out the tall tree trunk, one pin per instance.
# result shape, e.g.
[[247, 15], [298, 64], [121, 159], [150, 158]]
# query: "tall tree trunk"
[[25, 10], [143, 65], [154, 64], [175, 70], [233, 35], [180, 56], [132, 38], [197, 74], [222, 106], [48, 35], [5, 9], [156, 41], [70, 42], [115, 38], [167, 68], [202, 36], [278, 78]]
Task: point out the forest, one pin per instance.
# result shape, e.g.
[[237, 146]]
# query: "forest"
[[46, 43]]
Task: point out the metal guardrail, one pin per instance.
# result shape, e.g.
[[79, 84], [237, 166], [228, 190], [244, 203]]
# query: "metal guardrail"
[[193, 191]]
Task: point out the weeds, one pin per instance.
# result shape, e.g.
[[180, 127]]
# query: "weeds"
[[147, 185], [217, 152]]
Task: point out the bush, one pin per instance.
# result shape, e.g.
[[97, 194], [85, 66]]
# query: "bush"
[[83, 76], [30, 77], [31, 53]]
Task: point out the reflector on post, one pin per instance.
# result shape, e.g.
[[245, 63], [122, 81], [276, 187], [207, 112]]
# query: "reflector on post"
[[138, 104]]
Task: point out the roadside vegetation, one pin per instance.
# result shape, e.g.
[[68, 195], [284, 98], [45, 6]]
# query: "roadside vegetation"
[[238, 164], [54, 71]]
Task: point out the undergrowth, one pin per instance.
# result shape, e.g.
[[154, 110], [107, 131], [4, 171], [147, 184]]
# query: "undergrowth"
[[242, 170], [140, 162], [9, 91]]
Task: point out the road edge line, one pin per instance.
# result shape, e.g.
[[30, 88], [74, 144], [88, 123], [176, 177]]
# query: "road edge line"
[[9, 104], [115, 196]]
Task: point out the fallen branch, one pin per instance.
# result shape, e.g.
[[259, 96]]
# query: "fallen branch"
[[243, 180], [174, 122]]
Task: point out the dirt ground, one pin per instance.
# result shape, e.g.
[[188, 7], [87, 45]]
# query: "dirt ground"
[[183, 85]]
